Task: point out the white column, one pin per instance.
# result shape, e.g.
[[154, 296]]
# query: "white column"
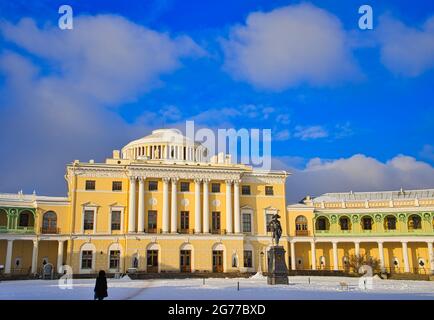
[[431, 256], [335, 256], [381, 254], [405, 256], [357, 248], [132, 206], [229, 206], [174, 213], [313, 254], [165, 205], [197, 225], [205, 206], [292, 246], [35, 257], [9, 256], [237, 223], [141, 222], [60, 255]]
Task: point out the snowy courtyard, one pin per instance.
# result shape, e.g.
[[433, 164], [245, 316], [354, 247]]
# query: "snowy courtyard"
[[256, 288]]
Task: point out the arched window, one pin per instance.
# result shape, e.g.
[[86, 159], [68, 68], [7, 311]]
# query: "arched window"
[[3, 219], [345, 223], [367, 223], [322, 224], [414, 222], [390, 223], [301, 225], [26, 219], [49, 222]]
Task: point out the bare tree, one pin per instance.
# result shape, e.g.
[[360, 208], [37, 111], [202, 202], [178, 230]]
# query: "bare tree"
[[357, 261]]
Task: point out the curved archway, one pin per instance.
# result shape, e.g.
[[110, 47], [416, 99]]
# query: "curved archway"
[[26, 219], [301, 226], [414, 222], [218, 258], [49, 222], [186, 257], [114, 253], [367, 223], [345, 223], [153, 258], [3, 219], [87, 257], [322, 224], [390, 222]]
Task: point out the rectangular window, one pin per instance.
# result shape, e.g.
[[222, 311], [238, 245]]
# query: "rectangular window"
[[215, 187], [247, 222], [153, 186], [268, 218], [152, 221], [88, 220], [215, 222], [269, 190], [90, 184], [245, 190], [185, 186], [116, 220], [115, 256], [248, 259], [117, 186], [185, 225], [86, 259]]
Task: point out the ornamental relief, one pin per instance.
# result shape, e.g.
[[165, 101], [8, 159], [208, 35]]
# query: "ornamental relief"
[[185, 174], [263, 179], [92, 173]]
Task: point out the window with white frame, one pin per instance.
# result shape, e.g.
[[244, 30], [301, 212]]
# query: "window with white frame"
[[116, 220], [86, 259], [248, 259], [247, 222], [114, 259], [88, 219]]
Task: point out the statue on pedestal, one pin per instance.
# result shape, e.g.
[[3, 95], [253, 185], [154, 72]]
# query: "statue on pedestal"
[[276, 228], [277, 270]]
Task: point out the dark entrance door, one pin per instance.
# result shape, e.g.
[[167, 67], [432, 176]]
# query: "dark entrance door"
[[185, 260], [152, 260], [217, 261]]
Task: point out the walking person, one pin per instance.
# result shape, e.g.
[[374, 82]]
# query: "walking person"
[[101, 286]]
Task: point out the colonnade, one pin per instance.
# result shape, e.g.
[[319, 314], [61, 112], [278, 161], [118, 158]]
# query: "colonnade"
[[170, 213]]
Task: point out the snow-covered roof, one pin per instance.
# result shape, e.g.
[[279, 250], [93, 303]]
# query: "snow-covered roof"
[[380, 195]]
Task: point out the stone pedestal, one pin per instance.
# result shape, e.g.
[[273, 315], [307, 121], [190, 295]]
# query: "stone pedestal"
[[277, 270]]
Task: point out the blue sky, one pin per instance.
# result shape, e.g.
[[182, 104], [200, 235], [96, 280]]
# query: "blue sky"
[[349, 109]]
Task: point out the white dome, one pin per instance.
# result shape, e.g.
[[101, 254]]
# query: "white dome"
[[165, 144]]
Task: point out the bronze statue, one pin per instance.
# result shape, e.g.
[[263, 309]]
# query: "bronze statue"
[[275, 228]]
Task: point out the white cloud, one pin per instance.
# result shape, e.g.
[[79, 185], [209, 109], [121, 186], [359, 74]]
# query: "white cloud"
[[282, 135], [357, 173], [59, 113], [107, 58], [427, 152], [405, 50], [310, 132], [283, 118], [289, 46]]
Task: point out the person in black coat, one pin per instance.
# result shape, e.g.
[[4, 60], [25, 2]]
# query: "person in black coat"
[[101, 286]]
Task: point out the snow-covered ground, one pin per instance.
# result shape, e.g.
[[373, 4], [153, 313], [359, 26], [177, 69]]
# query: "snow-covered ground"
[[255, 288]]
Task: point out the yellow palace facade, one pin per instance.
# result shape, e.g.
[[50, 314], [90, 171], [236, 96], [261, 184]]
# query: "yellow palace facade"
[[161, 205]]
